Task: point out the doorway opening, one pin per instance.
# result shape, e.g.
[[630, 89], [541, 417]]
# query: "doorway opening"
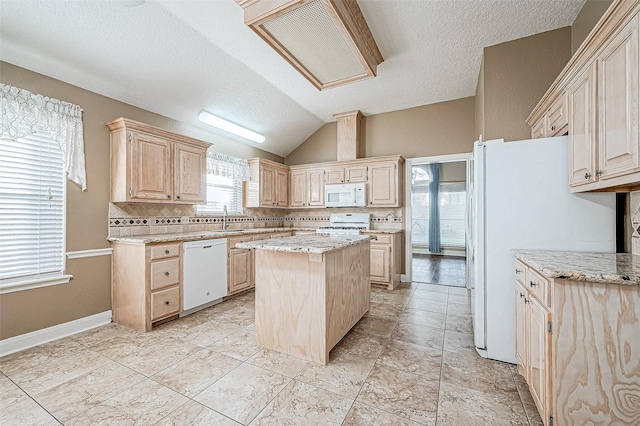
[[437, 209]]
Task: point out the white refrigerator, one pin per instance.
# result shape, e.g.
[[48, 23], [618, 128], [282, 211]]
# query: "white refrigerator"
[[520, 199]]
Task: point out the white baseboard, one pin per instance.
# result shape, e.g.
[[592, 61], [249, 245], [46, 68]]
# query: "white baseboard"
[[38, 337]]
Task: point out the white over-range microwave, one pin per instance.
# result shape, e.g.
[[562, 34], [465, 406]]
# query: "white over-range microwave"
[[345, 195]]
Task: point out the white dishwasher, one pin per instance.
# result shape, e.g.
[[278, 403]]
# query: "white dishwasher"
[[204, 272]]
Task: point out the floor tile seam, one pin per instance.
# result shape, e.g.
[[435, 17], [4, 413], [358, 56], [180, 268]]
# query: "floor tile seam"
[[268, 402], [388, 412], [63, 382], [199, 403], [32, 397], [522, 403], [29, 395], [121, 390]]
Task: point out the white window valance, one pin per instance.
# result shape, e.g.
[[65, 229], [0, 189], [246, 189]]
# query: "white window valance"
[[227, 166], [25, 113]]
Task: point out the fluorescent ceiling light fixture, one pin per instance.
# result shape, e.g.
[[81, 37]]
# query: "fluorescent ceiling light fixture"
[[227, 126]]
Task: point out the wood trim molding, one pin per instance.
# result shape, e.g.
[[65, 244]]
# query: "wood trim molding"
[[39, 337], [617, 15], [79, 254], [126, 123], [348, 20]]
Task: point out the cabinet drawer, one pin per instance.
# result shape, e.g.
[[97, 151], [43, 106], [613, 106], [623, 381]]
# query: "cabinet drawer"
[[165, 302], [165, 273], [520, 272], [165, 250], [235, 240], [537, 285], [261, 237], [381, 239]]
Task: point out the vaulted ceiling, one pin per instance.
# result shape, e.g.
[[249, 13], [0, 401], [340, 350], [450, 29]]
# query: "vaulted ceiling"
[[178, 57]]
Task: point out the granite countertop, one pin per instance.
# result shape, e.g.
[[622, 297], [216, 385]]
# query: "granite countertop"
[[199, 235], [382, 231], [606, 268], [312, 244]]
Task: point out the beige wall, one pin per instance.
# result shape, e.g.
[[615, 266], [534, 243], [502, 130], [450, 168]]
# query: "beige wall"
[[516, 76], [437, 129], [479, 104], [588, 17], [88, 292]]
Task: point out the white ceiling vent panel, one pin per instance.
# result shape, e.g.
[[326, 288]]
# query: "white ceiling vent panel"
[[327, 41], [309, 34]]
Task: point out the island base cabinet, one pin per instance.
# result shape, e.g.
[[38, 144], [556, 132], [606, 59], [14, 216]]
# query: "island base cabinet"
[[596, 354], [306, 303]]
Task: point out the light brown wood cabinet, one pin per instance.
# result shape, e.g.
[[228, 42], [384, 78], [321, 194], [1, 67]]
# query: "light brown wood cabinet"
[[269, 184], [146, 283], [152, 165], [555, 121], [533, 333], [307, 187], [385, 264], [240, 264], [601, 84], [577, 347], [382, 186], [347, 174]]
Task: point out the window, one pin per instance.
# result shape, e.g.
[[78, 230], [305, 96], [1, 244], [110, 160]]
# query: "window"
[[32, 207], [222, 191]]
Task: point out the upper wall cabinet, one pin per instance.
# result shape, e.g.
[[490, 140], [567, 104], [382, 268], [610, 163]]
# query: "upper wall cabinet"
[[269, 184], [601, 89], [383, 189], [307, 187], [155, 166]]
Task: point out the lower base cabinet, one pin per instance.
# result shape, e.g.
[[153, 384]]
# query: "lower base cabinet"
[[146, 283], [578, 347], [385, 259]]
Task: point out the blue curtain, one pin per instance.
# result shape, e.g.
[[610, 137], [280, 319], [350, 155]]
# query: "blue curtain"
[[434, 209]]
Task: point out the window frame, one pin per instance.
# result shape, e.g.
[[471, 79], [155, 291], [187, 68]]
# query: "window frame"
[[238, 212], [14, 284]]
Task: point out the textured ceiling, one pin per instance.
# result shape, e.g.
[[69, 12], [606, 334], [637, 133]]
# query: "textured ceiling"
[[178, 57]]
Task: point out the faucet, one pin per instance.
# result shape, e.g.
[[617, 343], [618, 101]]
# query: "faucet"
[[224, 218]]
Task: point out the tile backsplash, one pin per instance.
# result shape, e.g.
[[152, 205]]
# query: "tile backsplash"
[[146, 219]]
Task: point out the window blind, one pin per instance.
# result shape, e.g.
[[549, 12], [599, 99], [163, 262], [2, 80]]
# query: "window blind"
[[222, 191], [32, 202]]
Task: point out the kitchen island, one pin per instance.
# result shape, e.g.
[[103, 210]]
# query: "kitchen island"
[[310, 291]]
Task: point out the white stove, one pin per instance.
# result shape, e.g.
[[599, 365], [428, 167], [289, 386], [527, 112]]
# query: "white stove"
[[346, 224]]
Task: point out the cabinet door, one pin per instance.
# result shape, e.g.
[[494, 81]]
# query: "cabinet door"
[[297, 197], [383, 185], [380, 256], [538, 129], [618, 104], [335, 175], [267, 186], [282, 188], [356, 174], [521, 329], [315, 179], [189, 174], [150, 172], [557, 118], [240, 270], [539, 355], [582, 118]]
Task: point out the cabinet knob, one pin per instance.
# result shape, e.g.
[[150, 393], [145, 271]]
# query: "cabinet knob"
[[532, 284], [168, 196], [526, 301], [598, 172], [178, 197], [166, 252], [166, 273], [553, 128], [518, 271], [587, 175], [166, 302], [521, 295]]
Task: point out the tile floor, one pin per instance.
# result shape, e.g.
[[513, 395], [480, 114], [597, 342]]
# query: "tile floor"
[[438, 269], [409, 361]]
